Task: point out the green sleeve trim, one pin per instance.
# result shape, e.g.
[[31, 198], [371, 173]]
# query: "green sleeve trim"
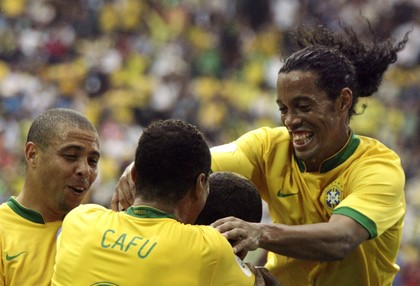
[[366, 222]]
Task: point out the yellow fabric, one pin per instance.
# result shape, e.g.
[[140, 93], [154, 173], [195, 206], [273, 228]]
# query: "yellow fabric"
[[365, 184], [27, 248], [99, 245]]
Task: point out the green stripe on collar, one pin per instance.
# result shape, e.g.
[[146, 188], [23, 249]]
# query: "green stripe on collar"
[[27, 214], [342, 155], [147, 212], [339, 158]]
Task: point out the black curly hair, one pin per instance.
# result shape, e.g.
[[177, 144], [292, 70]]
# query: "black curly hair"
[[231, 195], [169, 157], [342, 60]]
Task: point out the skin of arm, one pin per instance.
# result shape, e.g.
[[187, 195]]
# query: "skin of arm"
[[124, 193], [329, 241]]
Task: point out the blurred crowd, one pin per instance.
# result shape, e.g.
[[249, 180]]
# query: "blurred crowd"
[[124, 63]]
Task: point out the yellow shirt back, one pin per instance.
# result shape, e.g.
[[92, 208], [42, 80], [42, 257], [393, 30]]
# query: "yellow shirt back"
[[142, 247]]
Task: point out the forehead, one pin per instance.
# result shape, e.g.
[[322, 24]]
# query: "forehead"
[[301, 80], [70, 136], [298, 85]]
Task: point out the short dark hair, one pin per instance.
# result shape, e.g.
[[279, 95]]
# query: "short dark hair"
[[50, 123], [170, 155], [231, 195]]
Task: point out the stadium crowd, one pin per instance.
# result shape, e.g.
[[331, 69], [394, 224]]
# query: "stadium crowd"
[[124, 63]]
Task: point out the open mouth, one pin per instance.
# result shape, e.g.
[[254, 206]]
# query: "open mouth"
[[78, 190], [300, 139]]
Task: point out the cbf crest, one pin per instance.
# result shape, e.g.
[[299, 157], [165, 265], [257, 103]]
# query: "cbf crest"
[[333, 196]]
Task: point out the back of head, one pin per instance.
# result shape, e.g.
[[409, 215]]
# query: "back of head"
[[52, 122], [231, 195], [170, 155], [342, 60]]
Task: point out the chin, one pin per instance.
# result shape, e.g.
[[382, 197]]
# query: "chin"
[[308, 158]]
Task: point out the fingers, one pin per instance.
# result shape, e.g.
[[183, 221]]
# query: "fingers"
[[266, 276], [124, 193], [241, 246], [239, 231], [242, 253], [230, 227], [221, 221], [115, 201]]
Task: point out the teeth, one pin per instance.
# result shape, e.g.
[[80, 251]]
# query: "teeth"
[[301, 138], [78, 190]]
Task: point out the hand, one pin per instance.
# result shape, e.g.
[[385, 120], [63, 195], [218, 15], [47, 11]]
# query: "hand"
[[263, 277], [124, 193], [245, 234]]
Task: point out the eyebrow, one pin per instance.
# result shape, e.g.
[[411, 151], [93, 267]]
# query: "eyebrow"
[[79, 148], [299, 98]]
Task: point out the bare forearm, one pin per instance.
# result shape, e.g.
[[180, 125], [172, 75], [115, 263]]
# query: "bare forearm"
[[326, 241], [319, 242]]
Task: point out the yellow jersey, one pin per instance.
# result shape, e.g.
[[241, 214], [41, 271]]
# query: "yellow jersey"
[[142, 246], [27, 246], [364, 181]]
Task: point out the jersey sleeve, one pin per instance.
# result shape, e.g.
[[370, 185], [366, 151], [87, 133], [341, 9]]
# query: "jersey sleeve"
[[230, 270], [376, 199], [252, 154]]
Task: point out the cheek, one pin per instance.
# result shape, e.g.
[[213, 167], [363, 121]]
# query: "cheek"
[[93, 174], [330, 122]]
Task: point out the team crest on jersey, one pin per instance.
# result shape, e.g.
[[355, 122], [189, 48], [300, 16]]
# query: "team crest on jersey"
[[333, 196]]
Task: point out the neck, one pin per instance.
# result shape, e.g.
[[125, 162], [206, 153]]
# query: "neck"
[[314, 165], [165, 207], [31, 201], [179, 210]]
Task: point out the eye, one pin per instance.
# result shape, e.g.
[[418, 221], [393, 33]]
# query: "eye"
[[305, 107], [93, 162], [283, 109], [70, 157]]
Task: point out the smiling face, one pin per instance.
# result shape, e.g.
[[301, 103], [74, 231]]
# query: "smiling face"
[[318, 126], [62, 173]]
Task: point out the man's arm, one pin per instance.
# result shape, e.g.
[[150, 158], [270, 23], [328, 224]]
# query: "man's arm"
[[328, 241]]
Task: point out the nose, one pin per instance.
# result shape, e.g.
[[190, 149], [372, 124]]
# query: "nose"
[[83, 168], [292, 120]]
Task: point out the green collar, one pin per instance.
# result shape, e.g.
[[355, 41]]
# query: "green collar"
[[337, 159], [147, 212], [28, 214]]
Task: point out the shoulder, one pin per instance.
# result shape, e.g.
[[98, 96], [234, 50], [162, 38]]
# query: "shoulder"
[[212, 237], [374, 164], [204, 231], [264, 137], [86, 211], [268, 133], [374, 152], [4, 207]]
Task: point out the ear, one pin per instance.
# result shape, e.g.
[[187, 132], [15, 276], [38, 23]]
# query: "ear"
[[201, 187], [31, 153], [345, 99]]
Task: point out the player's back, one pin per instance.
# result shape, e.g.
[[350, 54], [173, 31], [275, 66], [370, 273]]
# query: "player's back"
[[142, 247]]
